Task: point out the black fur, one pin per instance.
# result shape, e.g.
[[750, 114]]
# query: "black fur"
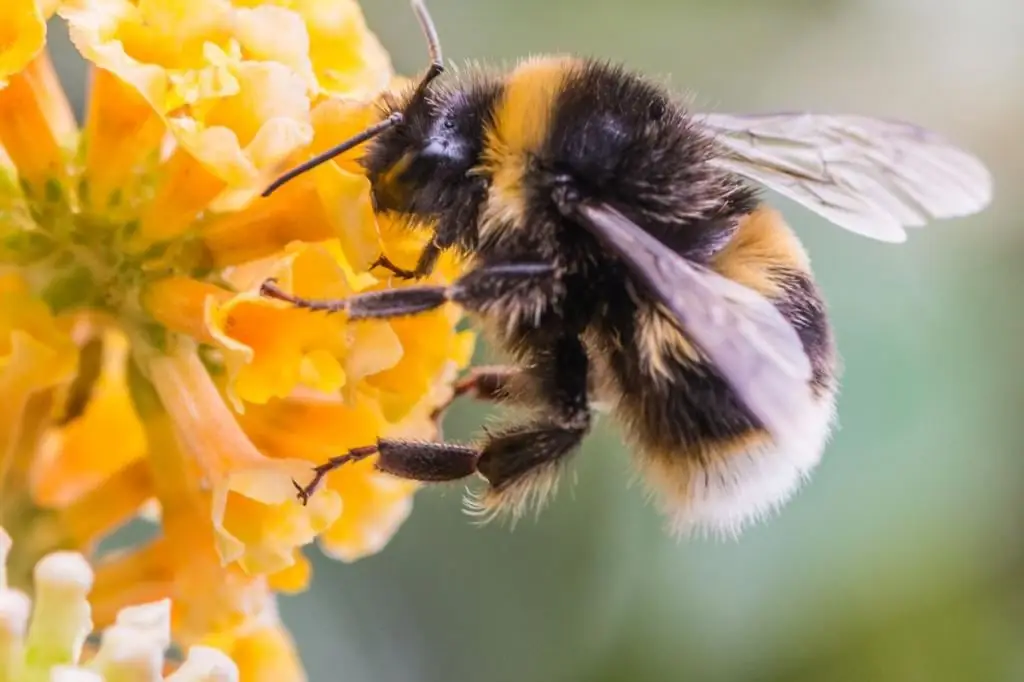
[[802, 304], [623, 140], [435, 186], [558, 373]]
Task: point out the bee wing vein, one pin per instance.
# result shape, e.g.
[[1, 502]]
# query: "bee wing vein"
[[872, 176]]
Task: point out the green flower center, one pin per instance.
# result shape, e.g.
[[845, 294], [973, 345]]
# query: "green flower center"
[[81, 254]]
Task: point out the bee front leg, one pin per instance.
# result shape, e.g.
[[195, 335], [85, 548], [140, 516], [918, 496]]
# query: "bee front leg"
[[384, 262], [455, 226], [424, 264]]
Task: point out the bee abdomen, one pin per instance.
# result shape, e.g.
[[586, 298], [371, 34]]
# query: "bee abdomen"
[[710, 462]]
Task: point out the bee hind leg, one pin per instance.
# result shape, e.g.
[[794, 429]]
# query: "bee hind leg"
[[417, 460], [522, 462]]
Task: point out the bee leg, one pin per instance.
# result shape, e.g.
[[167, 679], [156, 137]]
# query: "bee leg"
[[384, 262], [473, 290], [483, 383], [446, 233], [416, 460], [523, 461]]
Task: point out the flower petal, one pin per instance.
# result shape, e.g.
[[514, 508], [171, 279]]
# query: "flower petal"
[[236, 118], [182, 563], [61, 618], [122, 142], [133, 647], [22, 36], [265, 227], [257, 520], [185, 187], [374, 504], [263, 650], [275, 34], [405, 384], [37, 128], [271, 348], [244, 137], [293, 579], [179, 304], [347, 58], [79, 455], [35, 353], [106, 507], [204, 664]]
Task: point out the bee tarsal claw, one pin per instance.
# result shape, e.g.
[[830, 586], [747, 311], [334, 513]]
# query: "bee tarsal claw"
[[301, 493]]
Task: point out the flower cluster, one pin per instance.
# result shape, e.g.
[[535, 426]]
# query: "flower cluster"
[[141, 373], [46, 639]]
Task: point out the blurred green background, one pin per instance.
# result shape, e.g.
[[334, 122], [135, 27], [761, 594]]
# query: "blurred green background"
[[903, 559]]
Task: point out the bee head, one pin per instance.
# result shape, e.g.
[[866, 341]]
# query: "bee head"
[[418, 165]]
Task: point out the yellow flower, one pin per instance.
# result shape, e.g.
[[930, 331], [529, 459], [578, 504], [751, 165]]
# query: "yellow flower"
[[140, 370], [45, 638]]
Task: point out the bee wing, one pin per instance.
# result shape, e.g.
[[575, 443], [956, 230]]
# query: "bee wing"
[[868, 175], [751, 345]]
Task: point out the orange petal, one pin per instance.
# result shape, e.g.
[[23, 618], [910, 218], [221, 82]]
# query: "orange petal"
[[182, 564], [346, 199], [332, 200], [184, 189], [335, 120], [257, 520], [237, 118], [374, 504], [179, 304], [37, 128], [277, 34], [293, 579], [35, 353], [271, 348], [244, 137], [77, 456], [264, 227], [92, 516], [122, 141], [313, 427]]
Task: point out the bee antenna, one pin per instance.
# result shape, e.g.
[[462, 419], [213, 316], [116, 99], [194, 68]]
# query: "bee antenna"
[[429, 33], [340, 148], [435, 69]]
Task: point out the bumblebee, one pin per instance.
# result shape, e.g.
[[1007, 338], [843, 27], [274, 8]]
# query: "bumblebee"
[[620, 254]]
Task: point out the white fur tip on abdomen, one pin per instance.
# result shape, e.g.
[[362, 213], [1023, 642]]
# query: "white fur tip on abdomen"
[[731, 491]]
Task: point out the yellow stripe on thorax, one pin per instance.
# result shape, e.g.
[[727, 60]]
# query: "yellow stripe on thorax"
[[522, 120]]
